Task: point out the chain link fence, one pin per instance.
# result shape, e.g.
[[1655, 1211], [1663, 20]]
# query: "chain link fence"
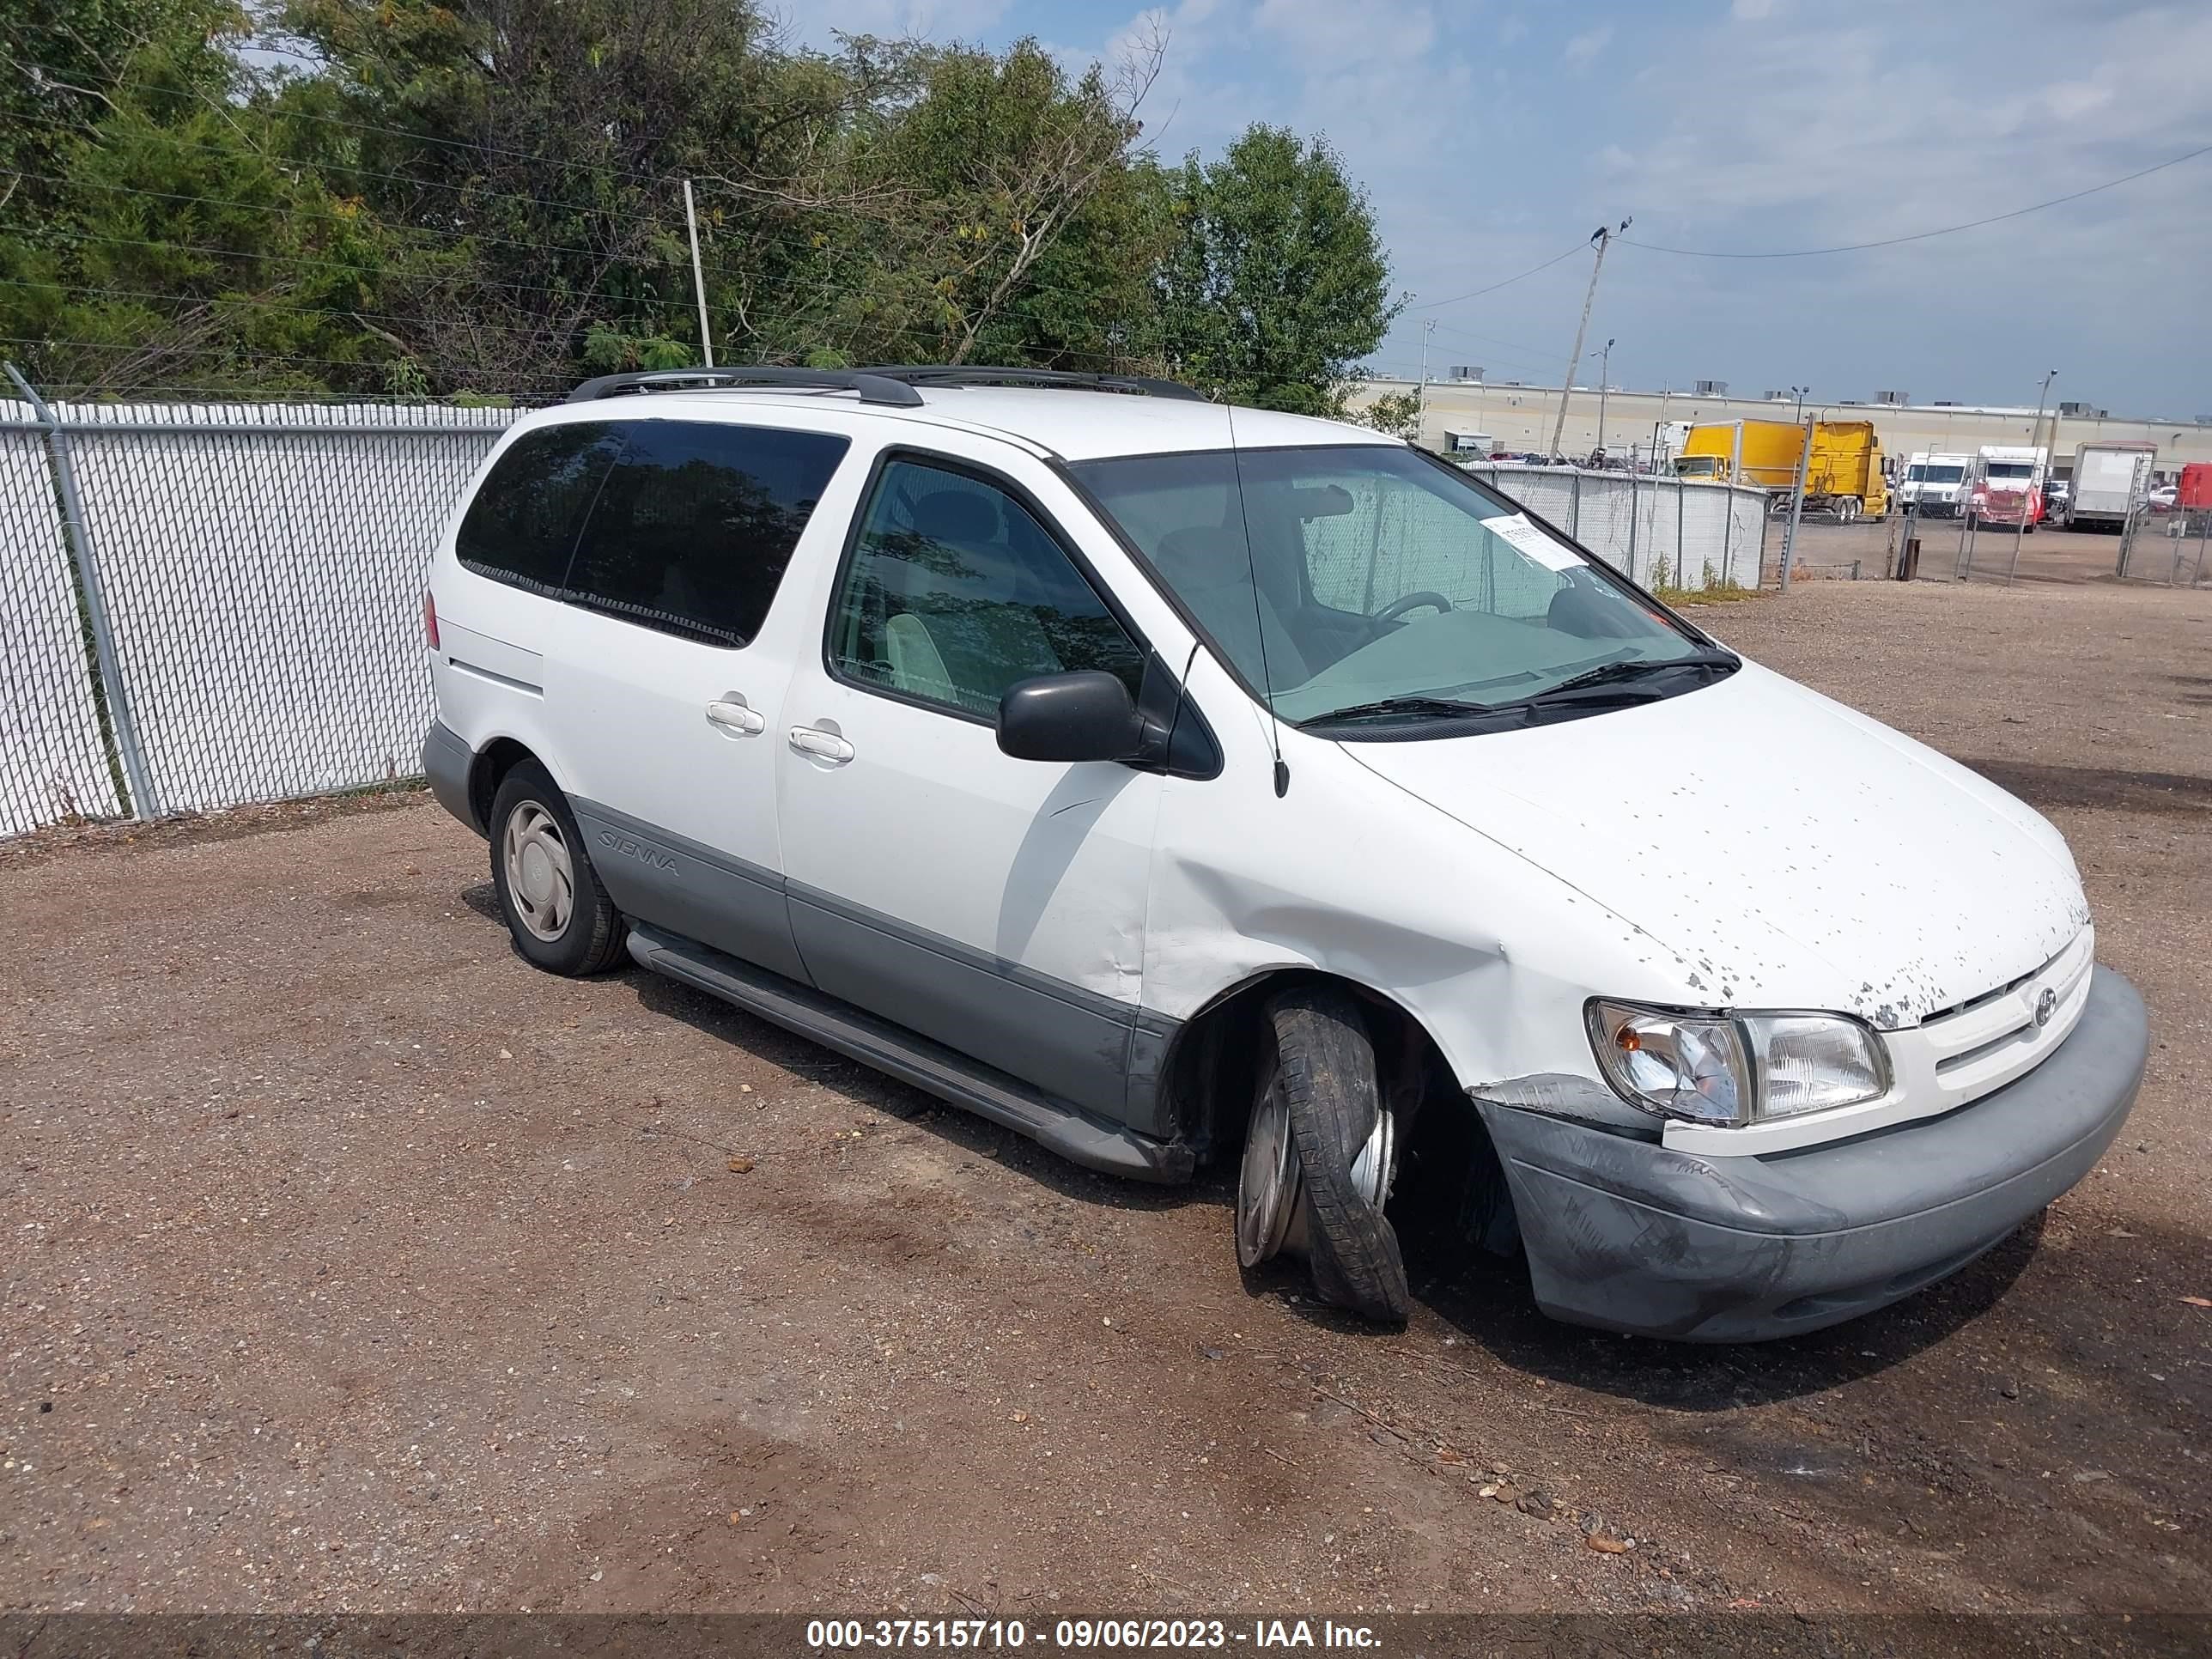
[[1661, 531], [55, 761], [259, 570]]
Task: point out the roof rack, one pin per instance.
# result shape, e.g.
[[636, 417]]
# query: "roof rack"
[[894, 384], [974, 374], [874, 388]]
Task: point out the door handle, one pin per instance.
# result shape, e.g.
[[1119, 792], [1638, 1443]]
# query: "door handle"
[[826, 745], [731, 714]]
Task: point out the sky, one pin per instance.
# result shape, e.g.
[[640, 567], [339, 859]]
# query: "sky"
[[1491, 135]]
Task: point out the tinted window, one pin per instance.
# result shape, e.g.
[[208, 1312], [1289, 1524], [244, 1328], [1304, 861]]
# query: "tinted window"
[[696, 523], [522, 524], [956, 593]]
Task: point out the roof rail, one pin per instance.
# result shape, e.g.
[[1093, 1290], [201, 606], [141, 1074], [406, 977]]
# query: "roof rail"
[[967, 375], [873, 388]]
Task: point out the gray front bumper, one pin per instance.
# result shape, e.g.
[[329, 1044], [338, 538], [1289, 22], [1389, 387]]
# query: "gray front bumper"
[[1626, 1235]]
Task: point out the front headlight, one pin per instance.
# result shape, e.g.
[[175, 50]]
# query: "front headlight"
[[1733, 1069]]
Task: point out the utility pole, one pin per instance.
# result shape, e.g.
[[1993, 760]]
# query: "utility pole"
[[1604, 373], [698, 280], [1428, 327], [2028, 496], [1600, 238]]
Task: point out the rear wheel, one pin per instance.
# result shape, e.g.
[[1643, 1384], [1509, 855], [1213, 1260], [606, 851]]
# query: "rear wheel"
[[560, 917], [1319, 1155], [1847, 509]]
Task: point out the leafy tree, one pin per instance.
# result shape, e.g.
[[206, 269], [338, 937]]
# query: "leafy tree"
[[529, 154], [1398, 413], [483, 198], [989, 217], [179, 245], [1277, 283]]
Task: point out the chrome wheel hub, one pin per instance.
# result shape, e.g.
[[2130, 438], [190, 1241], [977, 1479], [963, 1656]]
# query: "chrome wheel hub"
[[1273, 1214]]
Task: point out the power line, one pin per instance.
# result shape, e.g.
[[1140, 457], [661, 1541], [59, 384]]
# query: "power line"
[[1923, 235], [1477, 294]]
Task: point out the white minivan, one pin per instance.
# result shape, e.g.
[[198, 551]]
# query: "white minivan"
[[1174, 783]]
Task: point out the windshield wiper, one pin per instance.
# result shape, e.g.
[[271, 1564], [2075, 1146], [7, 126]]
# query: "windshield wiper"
[[1382, 708], [1632, 668]]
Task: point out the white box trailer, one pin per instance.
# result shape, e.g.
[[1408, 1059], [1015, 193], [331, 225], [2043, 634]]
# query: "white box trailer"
[[2110, 481]]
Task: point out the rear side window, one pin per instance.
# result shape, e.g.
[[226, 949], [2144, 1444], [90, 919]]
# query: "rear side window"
[[522, 526], [695, 525]]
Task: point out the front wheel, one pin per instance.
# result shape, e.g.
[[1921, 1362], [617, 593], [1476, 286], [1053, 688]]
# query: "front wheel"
[[1319, 1155], [560, 917]]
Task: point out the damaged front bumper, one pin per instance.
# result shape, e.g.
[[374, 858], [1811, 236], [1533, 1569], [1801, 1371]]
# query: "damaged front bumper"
[[1623, 1234]]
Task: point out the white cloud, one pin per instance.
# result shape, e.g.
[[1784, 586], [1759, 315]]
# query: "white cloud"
[[1587, 45]]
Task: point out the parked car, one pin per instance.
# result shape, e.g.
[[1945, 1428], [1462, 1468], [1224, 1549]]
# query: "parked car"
[[2164, 498], [1182, 786]]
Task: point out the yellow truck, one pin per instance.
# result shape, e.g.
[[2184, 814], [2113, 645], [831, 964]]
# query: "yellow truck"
[[1845, 477]]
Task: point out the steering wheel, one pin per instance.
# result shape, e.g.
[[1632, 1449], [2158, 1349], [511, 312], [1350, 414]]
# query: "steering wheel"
[[1413, 601]]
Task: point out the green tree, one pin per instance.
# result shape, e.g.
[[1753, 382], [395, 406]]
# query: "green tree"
[[1277, 283], [178, 244], [991, 216], [1398, 413], [528, 156]]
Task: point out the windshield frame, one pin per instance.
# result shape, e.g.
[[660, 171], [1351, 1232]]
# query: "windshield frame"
[[1433, 726]]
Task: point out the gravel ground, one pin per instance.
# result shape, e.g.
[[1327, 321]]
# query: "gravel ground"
[[355, 1265]]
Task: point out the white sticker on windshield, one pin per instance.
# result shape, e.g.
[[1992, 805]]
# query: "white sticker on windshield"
[[1538, 544]]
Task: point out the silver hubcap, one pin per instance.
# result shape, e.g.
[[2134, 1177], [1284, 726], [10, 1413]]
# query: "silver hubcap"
[[541, 878], [1273, 1213], [1268, 1182]]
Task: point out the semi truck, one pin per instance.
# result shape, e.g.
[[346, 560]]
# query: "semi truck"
[[1935, 482], [2110, 482], [2005, 485], [1845, 477]]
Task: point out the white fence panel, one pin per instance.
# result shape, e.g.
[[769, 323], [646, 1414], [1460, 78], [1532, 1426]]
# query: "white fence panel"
[[1658, 532], [53, 762], [264, 565]]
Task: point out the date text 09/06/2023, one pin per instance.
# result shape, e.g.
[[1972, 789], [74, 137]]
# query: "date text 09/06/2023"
[[833, 1635]]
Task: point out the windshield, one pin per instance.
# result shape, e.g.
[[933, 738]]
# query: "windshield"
[[1380, 576], [2007, 469], [1919, 473], [1697, 466]]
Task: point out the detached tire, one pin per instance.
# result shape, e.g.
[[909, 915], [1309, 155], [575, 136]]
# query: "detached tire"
[[1323, 1080], [560, 917]]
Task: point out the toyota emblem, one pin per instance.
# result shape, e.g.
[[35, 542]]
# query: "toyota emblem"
[[2045, 1006]]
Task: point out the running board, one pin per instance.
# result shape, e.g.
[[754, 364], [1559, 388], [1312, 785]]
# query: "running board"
[[914, 1059]]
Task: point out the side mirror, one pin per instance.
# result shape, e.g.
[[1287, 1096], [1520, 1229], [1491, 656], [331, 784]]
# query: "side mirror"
[[1087, 715]]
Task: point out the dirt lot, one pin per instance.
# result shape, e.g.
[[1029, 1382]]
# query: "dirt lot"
[[355, 1265]]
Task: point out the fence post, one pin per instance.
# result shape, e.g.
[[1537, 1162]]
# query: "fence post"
[[1728, 536], [143, 803], [1634, 493], [1575, 522], [1678, 491]]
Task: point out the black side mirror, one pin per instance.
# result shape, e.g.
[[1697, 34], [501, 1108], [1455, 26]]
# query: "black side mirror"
[[1087, 715]]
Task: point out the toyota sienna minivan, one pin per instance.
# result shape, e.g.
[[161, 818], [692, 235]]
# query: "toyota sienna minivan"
[[1179, 785]]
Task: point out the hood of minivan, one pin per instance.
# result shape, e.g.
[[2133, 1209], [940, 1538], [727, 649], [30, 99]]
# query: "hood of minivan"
[[1790, 851]]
